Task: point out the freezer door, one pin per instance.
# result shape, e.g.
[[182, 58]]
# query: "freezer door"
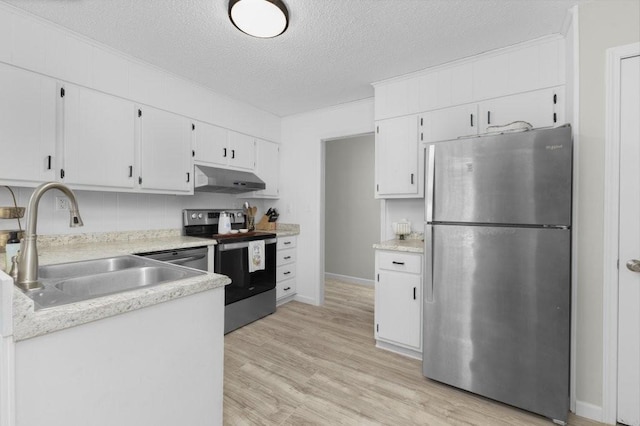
[[497, 318], [519, 178]]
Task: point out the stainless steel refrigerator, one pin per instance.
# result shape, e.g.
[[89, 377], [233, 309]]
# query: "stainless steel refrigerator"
[[498, 267]]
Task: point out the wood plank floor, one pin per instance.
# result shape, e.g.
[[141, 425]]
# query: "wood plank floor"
[[308, 365]]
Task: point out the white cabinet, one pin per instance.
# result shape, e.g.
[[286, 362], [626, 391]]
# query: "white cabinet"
[[267, 169], [165, 152], [27, 126], [98, 140], [449, 123], [540, 108], [398, 302], [285, 269], [397, 163], [219, 147]]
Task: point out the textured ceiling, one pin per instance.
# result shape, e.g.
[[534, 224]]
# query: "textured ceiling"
[[331, 52]]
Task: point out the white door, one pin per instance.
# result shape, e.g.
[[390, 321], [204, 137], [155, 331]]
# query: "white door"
[[243, 151], [211, 144], [398, 302], [629, 250], [451, 123], [396, 156]]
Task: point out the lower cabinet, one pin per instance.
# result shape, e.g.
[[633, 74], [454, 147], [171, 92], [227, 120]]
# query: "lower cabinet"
[[398, 302], [285, 269]]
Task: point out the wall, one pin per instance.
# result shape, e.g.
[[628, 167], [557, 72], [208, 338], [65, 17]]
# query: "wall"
[[301, 183], [601, 25], [411, 209], [110, 211], [351, 211]]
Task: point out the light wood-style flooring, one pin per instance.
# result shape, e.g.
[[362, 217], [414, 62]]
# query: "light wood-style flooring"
[[308, 365]]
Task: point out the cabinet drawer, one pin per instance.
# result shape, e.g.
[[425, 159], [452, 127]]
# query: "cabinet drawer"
[[401, 262], [285, 288], [285, 272], [286, 242], [285, 256]]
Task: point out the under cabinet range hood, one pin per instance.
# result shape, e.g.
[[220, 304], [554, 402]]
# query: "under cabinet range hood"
[[212, 179]]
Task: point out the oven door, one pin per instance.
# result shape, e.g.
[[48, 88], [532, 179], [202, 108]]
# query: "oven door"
[[232, 260]]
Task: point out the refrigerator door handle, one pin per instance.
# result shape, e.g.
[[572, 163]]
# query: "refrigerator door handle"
[[430, 183], [428, 262]]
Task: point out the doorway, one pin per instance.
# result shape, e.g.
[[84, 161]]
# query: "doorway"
[[621, 357], [352, 214]]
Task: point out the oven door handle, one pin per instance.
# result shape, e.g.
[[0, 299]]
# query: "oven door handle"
[[181, 260], [235, 246]]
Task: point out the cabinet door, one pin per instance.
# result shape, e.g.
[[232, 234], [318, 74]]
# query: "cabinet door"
[[398, 304], [165, 152], [451, 123], [27, 126], [243, 151], [537, 108], [268, 168], [397, 160], [211, 144], [99, 139]]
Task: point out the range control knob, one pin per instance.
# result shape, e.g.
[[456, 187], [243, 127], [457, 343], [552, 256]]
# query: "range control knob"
[[199, 215], [193, 215]]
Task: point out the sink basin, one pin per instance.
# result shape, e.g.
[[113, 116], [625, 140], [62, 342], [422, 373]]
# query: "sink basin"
[[89, 267], [77, 281]]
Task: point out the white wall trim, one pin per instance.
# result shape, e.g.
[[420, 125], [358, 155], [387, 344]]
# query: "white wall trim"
[[589, 411], [611, 232], [348, 279], [572, 24]]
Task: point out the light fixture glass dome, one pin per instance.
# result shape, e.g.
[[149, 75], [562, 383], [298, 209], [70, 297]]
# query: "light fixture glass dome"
[[259, 18]]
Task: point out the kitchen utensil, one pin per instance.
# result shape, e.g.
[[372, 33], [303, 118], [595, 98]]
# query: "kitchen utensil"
[[224, 223]]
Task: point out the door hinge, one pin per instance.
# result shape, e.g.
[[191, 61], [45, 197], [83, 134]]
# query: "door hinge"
[[377, 129], [193, 153], [139, 113], [378, 277], [139, 180], [618, 264], [61, 173], [378, 328], [421, 136], [421, 121], [378, 188], [193, 126], [62, 92], [555, 117], [555, 98]]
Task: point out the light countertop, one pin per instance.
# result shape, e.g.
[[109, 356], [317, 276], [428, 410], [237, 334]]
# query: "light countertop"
[[28, 323], [410, 246]]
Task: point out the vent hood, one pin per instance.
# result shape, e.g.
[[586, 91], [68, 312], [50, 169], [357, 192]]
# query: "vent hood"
[[212, 179]]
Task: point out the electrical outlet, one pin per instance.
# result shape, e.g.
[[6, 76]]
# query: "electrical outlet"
[[62, 203]]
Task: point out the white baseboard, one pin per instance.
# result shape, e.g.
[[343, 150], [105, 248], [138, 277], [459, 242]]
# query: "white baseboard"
[[399, 349], [348, 279], [589, 411], [305, 299]]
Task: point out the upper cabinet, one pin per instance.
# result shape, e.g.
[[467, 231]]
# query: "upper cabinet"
[[165, 151], [98, 139], [267, 169], [528, 67], [398, 164], [216, 146], [27, 126]]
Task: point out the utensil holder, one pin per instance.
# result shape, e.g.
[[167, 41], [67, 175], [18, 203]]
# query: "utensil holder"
[[251, 223]]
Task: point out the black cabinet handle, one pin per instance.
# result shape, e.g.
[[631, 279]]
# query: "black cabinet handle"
[[411, 178], [555, 117], [139, 180], [193, 153], [488, 117], [225, 152], [287, 288], [555, 98], [397, 263], [287, 257], [48, 162], [286, 243], [233, 154], [188, 177], [286, 273], [130, 171], [61, 173], [471, 119], [414, 293]]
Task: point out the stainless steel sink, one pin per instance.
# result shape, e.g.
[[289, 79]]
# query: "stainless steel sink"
[[89, 267], [77, 281]]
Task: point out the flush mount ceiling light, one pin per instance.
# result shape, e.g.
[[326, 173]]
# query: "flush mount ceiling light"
[[259, 18]]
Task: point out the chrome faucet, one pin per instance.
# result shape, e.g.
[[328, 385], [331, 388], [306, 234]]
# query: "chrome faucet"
[[28, 256]]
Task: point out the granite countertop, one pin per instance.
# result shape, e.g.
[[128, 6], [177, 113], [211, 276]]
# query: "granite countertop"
[[410, 246], [28, 323], [287, 230]]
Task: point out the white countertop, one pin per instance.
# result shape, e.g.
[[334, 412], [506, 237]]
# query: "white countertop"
[[410, 246], [28, 323]]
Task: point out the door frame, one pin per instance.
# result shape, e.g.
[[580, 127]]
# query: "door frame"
[[611, 231]]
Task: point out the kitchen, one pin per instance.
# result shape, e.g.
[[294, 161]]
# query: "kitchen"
[[300, 135]]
